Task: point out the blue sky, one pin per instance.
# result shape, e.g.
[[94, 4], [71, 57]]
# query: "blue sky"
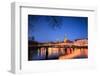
[[44, 29]]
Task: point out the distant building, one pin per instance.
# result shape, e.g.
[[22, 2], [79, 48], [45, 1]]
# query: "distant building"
[[65, 39], [81, 42]]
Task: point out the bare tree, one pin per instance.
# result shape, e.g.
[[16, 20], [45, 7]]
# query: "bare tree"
[[54, 21]]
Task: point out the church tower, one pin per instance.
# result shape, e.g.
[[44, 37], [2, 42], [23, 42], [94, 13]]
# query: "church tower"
[[65, 38]]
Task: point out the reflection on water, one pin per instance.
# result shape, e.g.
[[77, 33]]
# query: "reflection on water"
[[44, 53], [41, 54]]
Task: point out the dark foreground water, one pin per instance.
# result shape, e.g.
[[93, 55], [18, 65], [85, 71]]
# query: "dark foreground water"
[[36, 55]]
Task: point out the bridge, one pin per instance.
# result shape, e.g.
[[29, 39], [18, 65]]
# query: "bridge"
[[44, 48], [58, 46]]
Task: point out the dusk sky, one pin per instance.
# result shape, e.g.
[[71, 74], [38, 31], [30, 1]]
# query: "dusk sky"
[[55, 28]]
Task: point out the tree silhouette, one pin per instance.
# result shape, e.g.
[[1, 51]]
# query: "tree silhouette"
[[55, 22]]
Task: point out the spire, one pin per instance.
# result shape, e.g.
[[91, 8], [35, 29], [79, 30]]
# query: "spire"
[[65, 38]]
